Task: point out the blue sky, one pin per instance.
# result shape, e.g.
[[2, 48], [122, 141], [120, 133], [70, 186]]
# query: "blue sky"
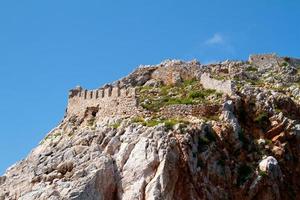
[[48, 47]]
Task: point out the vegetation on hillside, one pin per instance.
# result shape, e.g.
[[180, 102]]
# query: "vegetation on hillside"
[[189, 92]]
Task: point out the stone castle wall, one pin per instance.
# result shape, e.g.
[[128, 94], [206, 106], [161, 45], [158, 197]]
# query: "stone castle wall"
[[264, 60], [295, 62], [174, 72], [271, 60], [224, 86], [121, 99], [111, 101]]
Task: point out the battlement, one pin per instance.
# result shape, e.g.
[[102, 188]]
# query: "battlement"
[[107, 92], [111, 100]]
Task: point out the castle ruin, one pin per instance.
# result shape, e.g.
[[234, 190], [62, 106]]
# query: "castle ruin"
[[271, 60], [110, 101], [223, 86], [122, 100], [264, 59]]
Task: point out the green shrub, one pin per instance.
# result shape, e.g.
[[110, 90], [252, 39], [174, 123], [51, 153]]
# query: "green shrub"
[[268, 142], [257, 82], [145, 88], [153, 106], [251, 69], [170, 123], [196, 94], [219, 94], [91, 122], [190, 92], [263, 173], [211, 118], [138, 120], [177, 101], [165, 90], [262, 119], [52, 136], [284, 64], [218, 77], [189, 82], [116, 125], [208, 92], [151, 123]]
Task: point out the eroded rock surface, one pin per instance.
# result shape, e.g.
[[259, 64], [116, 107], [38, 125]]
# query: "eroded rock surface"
[[180, 137]]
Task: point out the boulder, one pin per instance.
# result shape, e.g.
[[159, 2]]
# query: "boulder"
[[270, 166]]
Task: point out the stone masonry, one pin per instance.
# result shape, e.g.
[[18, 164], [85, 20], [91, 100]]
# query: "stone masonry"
[[264, 59], [271, 60], [224, 86], [110, 100], [121, 99]]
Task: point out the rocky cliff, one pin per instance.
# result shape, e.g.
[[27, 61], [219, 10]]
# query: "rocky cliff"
[[173, 131]]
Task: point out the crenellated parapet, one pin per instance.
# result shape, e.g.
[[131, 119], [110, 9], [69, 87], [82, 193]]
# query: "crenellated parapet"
[[111, 100], [107, 92]]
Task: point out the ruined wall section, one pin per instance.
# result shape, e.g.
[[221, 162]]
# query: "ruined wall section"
[[175, 71], [224, 86], [272, 60], [111, 101], [295, 62], [264, 60]]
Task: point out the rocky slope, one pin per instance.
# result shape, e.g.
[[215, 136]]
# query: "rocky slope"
[[229, 130]]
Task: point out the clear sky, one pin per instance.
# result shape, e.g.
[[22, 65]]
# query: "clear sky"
[[48, 47]]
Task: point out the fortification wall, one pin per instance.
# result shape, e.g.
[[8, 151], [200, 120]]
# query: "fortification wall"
[[224, 86], [295, 62], [174, 72], [272, 60], [264, 60], [110, 100]]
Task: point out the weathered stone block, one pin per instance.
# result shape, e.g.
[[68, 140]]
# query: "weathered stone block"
[[224, 86]]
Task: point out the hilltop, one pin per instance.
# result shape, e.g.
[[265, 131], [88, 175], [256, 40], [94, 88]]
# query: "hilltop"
[[177, 130]]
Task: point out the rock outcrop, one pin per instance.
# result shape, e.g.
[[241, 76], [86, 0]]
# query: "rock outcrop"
[[173, 131]]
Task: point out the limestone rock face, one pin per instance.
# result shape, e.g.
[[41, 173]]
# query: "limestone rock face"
[[270, 165], [174, 131]]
